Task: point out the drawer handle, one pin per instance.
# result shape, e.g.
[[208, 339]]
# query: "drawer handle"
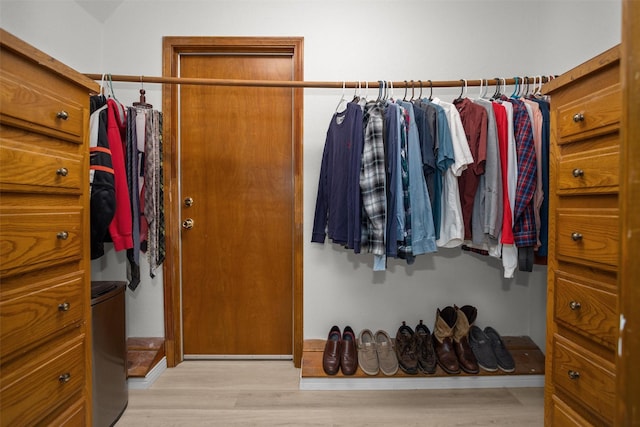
[[575, 305], [576, 237], [577, 173], [574, 375], [65, 306], [578, 117], [62, 172], [62, 235], [62, 115], [64, 378]]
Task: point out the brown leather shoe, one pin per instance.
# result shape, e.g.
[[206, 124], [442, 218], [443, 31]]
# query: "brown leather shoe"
[[406, 349], [425, 351], [331, 354], [443, 340], [466, 315], [349, 352]]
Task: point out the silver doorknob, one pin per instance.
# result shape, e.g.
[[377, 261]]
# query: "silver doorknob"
[[65, 306], [575, 305], [188, 201], [187, 224], [576, 237], [64, 378], [578, 117], [62, 235], [62, 172], [578, 173], [62, 115]]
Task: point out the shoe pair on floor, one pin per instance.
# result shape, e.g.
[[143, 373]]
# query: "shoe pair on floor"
[[340, 352], [376, 353], [459, 344], [489, 349], [415, 350]]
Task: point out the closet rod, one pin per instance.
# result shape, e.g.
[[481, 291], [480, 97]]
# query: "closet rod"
[[426, 84]]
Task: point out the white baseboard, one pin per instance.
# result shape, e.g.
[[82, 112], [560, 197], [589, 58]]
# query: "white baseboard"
[[152, 376], [422, 383]]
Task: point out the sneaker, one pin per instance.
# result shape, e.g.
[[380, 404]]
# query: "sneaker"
[[503, 357], [367, 353], [406, 349], [481, 347], [387, 359], [425, 350]]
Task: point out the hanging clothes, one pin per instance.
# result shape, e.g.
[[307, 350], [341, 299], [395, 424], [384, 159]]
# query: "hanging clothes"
[[120, 229], [101, 176], [373, 185], [422, 230], [474, 121], [338, 200]]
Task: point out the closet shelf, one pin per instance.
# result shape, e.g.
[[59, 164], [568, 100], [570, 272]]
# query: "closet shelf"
[[529, 372]]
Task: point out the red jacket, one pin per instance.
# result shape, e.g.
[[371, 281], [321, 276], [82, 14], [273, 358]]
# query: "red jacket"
[[121, 226]]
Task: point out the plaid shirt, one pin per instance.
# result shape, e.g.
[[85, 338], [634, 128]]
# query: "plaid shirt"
[[372, 179], [524, 227]]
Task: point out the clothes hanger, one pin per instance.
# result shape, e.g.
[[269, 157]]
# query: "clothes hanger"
[[496, 94], [430, 90], [379, 91], [143, 99], [420, 95], [406, 86], [342, 99], [413, 91], [356, 92], [515, 88], [462, 86]]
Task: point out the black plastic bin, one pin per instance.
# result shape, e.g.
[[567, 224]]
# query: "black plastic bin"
[[109, 345]]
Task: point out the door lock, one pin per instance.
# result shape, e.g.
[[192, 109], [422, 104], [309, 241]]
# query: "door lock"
[[188, 201], [187, 224]]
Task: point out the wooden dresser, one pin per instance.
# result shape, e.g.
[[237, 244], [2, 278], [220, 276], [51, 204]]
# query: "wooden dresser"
[[45, 348], [582, 313]]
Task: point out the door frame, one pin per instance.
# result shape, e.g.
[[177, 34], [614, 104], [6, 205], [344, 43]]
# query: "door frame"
[[172, 48]]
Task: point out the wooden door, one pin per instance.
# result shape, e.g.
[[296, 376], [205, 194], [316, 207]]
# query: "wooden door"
[[237, 169]]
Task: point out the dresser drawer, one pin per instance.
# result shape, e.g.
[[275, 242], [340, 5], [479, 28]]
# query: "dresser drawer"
[[33, 316], [589, 311], [33, 168], [585, 376], [37, 109], [588, 235], [54, 381], [33, 239], [564, 416], [596, 170], [596, 114]]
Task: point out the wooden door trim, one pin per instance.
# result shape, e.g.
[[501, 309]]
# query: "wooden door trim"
[[172, 47]]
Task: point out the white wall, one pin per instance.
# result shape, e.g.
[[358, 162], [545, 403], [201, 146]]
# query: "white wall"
[[355, 40]]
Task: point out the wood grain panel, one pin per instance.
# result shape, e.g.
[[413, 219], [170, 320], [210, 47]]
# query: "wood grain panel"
[[55, 380], [39, 110], [599, 241], [599, 112], [594, 384], [36, 315], [589, 172], [237, 160], [30, 239], [33, 168], [589, 311], [564, 416]]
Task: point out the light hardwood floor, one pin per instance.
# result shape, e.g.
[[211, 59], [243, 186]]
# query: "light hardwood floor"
[[265, 393]]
